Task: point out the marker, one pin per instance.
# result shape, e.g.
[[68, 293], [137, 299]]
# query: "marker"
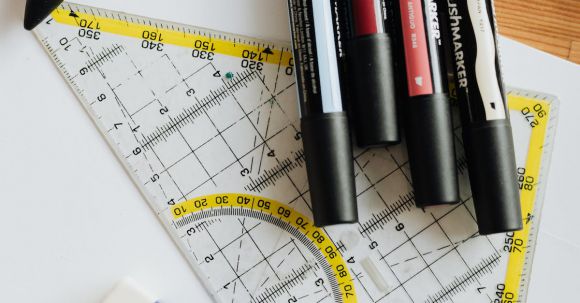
[[487, 133], [371, 76], [325, 130], [37, 10], [428, 124]]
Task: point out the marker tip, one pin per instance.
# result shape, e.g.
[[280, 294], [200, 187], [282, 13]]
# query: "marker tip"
[[37, 10]]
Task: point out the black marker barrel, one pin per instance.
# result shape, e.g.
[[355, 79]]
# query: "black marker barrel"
[[370, 73], [427, 108], [487, 133], [325, 129]]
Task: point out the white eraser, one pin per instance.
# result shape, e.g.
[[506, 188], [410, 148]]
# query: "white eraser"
[[128, 291]]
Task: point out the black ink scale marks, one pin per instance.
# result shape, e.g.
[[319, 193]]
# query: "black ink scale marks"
[[188, 115], [200, 226], [270, 176], [103, 57], [297, 276], [405, 203], [460, 283]]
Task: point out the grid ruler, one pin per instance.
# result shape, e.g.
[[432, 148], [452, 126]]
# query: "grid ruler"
[[206, 124]]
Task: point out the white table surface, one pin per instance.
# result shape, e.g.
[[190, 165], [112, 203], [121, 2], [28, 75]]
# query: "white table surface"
[[72, 223]]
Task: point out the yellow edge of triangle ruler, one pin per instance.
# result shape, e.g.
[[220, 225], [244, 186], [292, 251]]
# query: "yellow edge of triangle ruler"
[[539, 113], [205, 45]]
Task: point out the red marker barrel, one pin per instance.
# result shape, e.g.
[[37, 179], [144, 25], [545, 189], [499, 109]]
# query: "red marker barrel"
[[427, 108]]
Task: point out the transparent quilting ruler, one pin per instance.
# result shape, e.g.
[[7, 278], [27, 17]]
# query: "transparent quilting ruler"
[[206, 124]]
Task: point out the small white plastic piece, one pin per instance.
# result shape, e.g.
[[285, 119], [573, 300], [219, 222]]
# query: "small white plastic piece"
[[128, 291], [375, 274]]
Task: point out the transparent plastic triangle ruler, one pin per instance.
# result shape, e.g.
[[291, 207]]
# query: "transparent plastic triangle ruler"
[[206, 124]]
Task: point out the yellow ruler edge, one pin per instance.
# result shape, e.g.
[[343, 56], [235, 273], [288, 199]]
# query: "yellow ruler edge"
[[527, 197], [151, 32], [285, 213]]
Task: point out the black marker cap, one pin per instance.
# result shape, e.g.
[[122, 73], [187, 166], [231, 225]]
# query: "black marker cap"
[[330, 168], [37, 10], [493, 177], [372, 101], [429, 135]]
